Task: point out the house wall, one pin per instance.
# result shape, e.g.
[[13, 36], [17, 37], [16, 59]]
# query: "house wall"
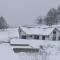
[[46, 37], [17, 50], [28, 37], [40, 37], [21, 33], [57, 35]]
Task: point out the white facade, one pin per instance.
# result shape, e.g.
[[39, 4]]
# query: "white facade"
[[52, 35], [40, 33]]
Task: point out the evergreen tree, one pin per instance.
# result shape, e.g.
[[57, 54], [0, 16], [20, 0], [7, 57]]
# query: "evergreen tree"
[[3, 23], [50, 19]]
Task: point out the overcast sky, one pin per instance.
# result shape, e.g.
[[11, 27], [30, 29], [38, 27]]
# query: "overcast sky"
[[23, 12]]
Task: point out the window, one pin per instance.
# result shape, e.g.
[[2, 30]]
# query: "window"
[[23, 37], [30, 35], [54, 32], [59, 38], [36, 37], [54, 38], [43, 37]]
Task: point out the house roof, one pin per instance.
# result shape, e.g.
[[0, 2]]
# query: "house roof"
[[56, 26], [58, 29], [37, 26], [38, 30], [31, 43], [25, 47]]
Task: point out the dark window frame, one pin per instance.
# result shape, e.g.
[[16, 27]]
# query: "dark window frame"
[[30, 35], [36, 36], [23, 36], [43, 37], [59, 38], [54, 32]]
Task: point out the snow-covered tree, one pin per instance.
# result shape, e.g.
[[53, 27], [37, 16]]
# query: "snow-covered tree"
[[50, 19], [40, 20], [58, 9], [3, 23]]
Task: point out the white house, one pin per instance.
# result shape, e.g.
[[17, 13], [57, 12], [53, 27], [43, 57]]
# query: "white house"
[[39, 32]]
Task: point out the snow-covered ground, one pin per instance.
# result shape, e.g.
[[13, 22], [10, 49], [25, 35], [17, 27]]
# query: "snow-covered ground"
[[29, 56], [7, 34], [50, 50], [6, 52]]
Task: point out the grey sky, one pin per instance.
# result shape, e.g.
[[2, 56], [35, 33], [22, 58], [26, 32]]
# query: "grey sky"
[[20, 12]]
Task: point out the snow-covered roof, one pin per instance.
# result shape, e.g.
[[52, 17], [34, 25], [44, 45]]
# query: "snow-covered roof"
[[57, 26], [37, 26], [34, 43], [58, 29], [38, 31], [31, 42], [25, 47]]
